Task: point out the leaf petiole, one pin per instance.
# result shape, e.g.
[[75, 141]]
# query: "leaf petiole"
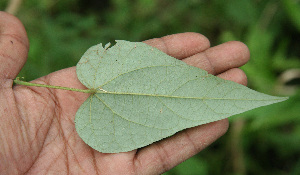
[[20, 82]]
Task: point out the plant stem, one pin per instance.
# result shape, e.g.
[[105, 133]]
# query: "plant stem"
[[236, 145], [20, 82], [13, 6]]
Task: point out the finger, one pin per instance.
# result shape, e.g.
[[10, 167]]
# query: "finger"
[[164, 155], [14, 46], [220, 58], [236, 75], [180, 45]]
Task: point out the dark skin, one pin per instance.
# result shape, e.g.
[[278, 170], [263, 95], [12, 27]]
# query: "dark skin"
[[37, 132]]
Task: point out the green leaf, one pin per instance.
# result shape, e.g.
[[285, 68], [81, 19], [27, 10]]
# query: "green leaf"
[[142, 95]]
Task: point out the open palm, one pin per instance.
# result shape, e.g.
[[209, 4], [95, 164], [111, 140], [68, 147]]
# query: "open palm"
[[37, 131]]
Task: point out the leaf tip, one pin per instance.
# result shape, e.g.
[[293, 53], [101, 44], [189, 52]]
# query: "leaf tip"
[[284, 98]]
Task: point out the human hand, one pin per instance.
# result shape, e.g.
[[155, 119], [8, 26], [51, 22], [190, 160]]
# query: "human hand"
[[37, 131]]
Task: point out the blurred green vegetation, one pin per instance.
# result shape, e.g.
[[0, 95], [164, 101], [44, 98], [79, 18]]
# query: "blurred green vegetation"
[[261, 141]]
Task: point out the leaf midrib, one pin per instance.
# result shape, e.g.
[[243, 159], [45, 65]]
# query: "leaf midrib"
[[185, 97]]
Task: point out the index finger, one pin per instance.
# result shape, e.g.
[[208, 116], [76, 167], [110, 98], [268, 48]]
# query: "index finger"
[[180, 45]]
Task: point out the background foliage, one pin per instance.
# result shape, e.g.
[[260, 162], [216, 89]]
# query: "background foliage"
[[262, 141]]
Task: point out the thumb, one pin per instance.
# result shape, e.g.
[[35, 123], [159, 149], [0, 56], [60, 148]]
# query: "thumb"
[[14, 47]]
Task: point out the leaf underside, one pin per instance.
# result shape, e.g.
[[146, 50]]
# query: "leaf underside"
[[143, 95]]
